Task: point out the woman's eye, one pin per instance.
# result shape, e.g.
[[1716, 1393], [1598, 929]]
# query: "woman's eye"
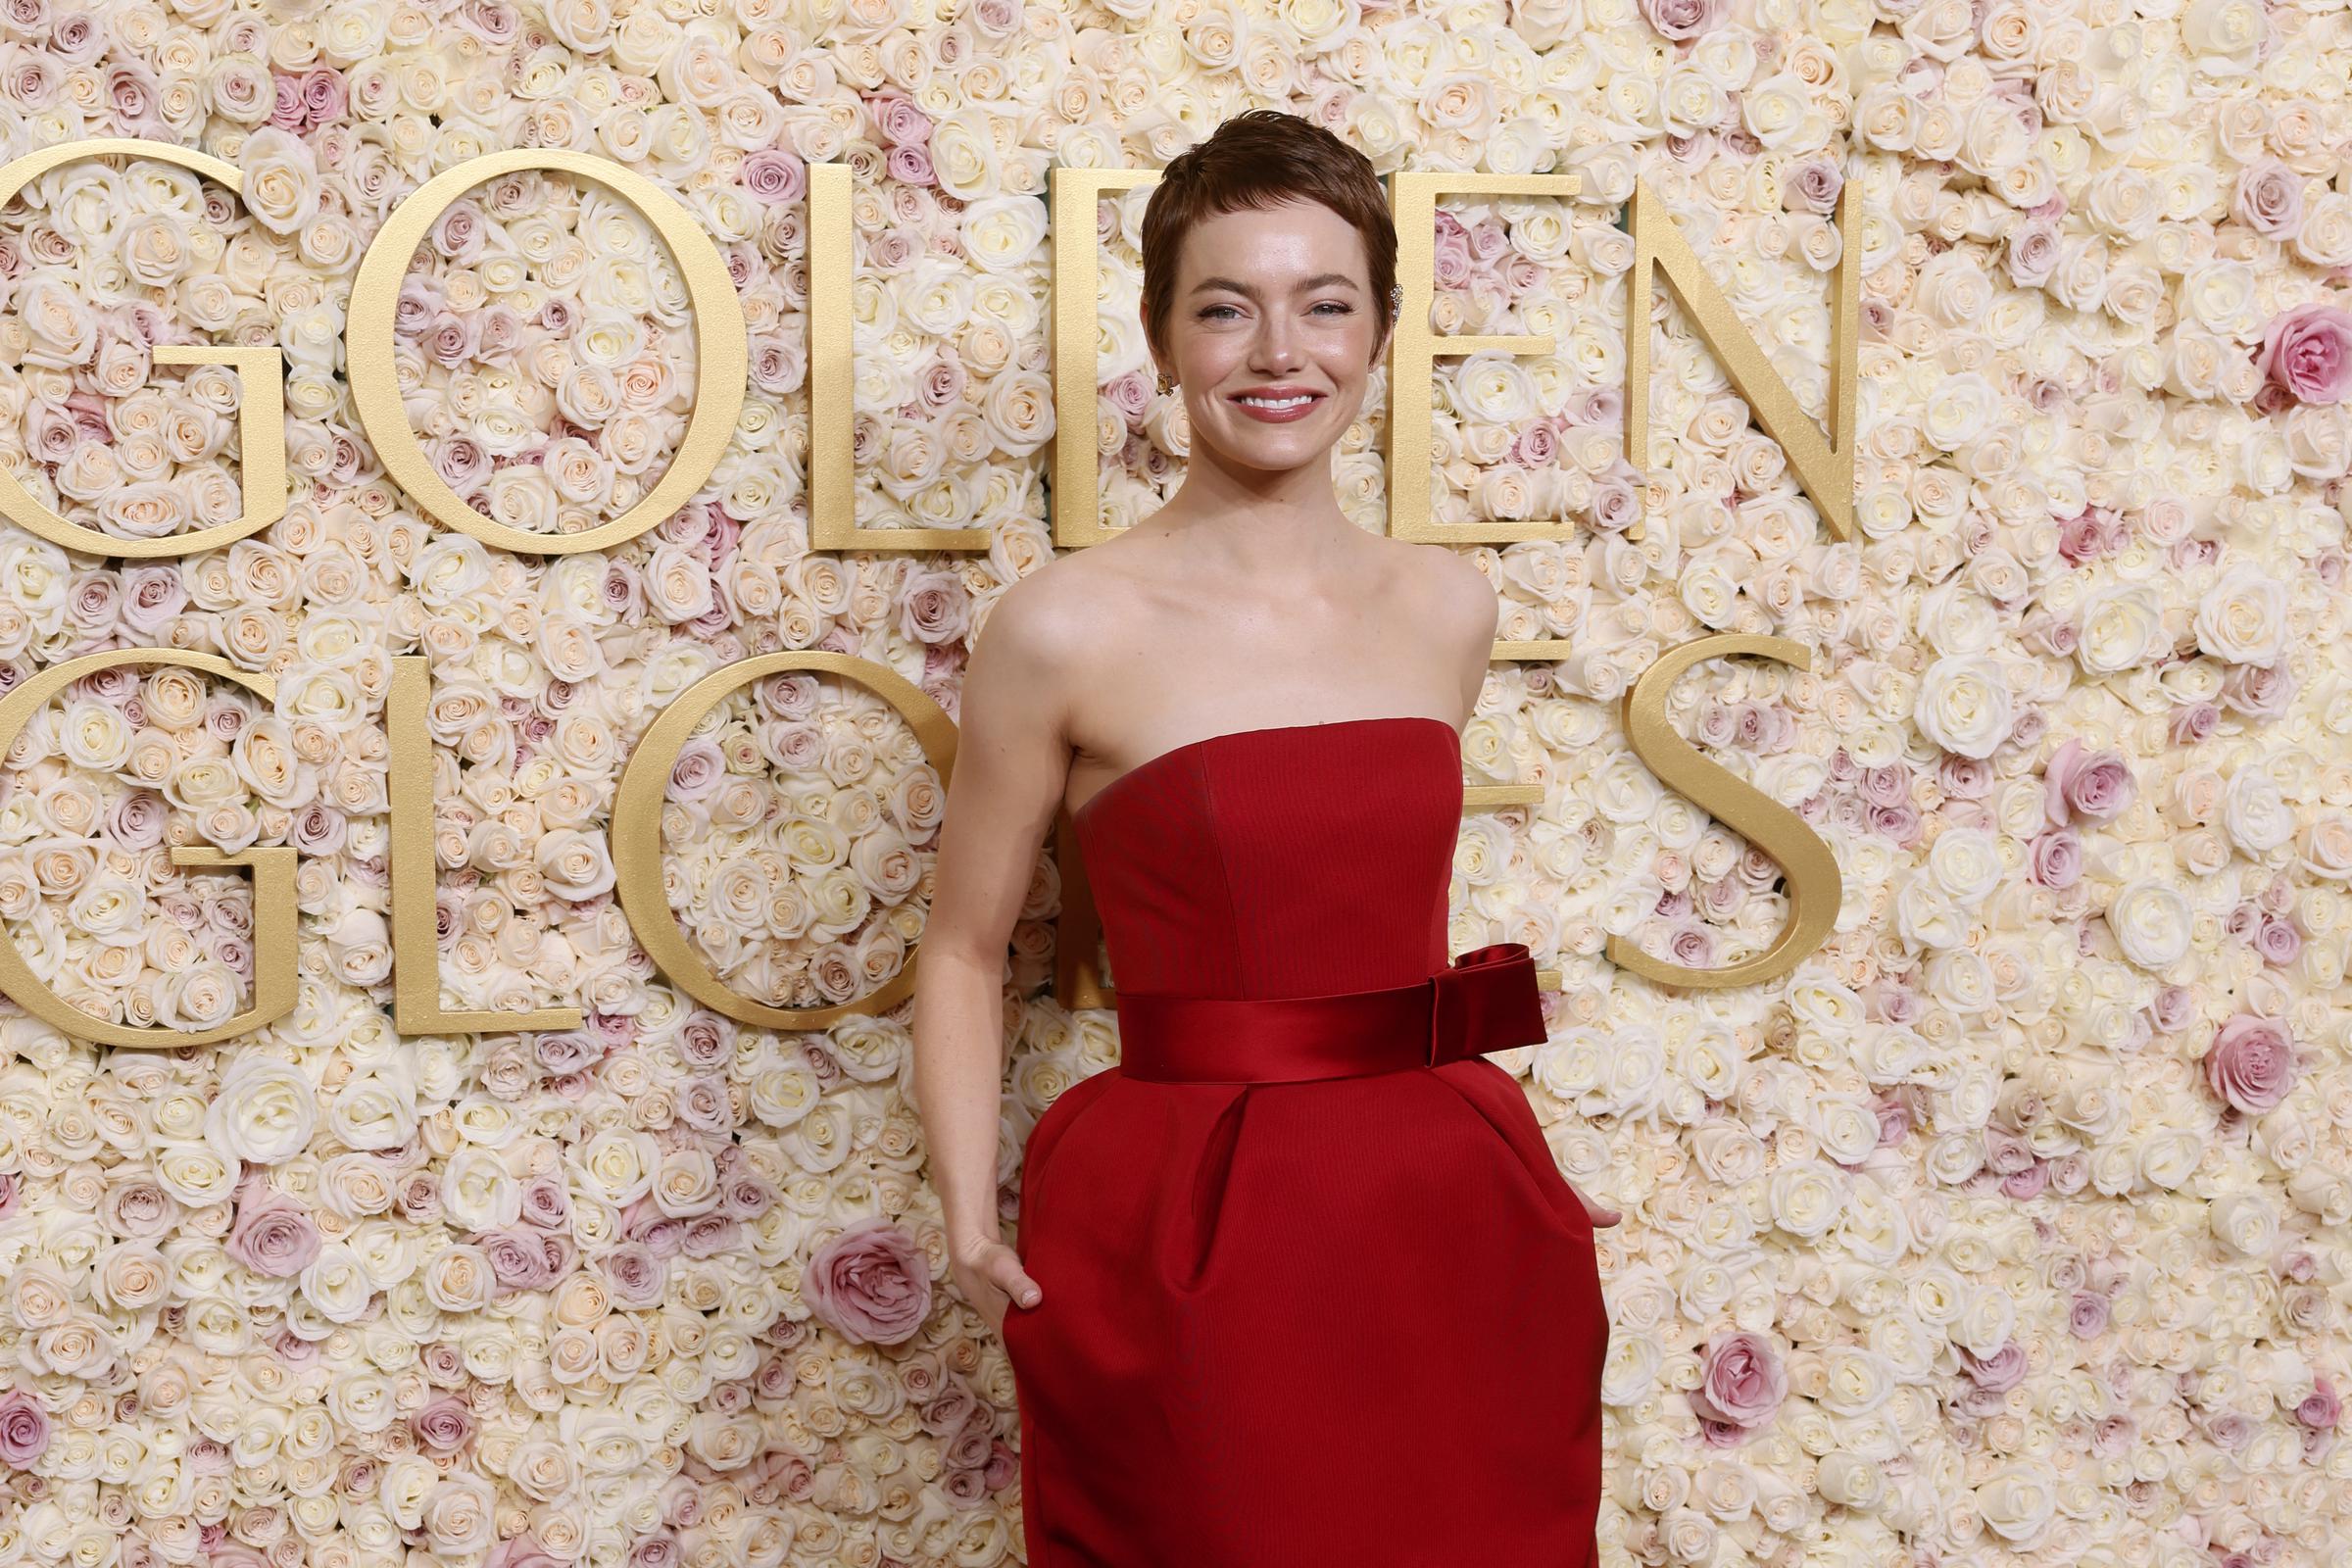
[[1210, 312]]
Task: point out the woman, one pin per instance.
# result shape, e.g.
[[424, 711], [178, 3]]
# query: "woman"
[[1298, 1282]]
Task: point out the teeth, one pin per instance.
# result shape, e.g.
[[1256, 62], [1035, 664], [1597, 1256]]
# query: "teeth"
[[1277, 403]]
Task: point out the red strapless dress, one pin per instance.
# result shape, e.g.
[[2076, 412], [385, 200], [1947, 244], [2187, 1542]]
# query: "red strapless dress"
[[1315, 1293]]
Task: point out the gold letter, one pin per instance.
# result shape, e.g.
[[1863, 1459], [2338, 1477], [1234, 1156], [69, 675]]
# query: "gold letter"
[[261, 392], [719, 349], [1414, 202], [637, 828], [1814, 886], [416, 938], [833, 385], [1824, 466], [273, 911], [1077, 270]]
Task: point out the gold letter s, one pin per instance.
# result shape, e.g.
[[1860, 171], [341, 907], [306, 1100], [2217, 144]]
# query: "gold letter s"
[[1815, 888]]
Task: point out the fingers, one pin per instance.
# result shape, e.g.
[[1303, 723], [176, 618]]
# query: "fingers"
[[1005, 1271], [1600, 1218]]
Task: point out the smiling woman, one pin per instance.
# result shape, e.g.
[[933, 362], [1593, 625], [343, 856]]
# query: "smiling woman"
[[1303, 1158]]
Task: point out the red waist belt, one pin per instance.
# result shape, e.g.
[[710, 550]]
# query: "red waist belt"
[[1485, 1000]]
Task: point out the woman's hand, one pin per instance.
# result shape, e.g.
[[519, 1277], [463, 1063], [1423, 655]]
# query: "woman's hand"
[[1600, 1218], [992, 1279]]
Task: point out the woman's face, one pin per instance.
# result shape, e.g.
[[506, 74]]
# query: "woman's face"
[[1272, 301]]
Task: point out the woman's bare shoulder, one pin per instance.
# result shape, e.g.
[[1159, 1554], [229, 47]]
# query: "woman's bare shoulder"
[[1054, 614], [1438, 580]]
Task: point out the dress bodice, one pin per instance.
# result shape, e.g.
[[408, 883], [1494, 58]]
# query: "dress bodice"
[[1286, 861]]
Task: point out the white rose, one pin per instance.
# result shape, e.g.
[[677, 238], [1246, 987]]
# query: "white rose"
[[372, 1111], [2242, 619], [1959, 409], [1850, 1481], [1778, 110], [1966, 864], [2151, 920], [2168, 1157], [478, 1193], [461, 1519], [265, 1111], [1924, 918], [1963, 704], [2225, 32], [338, 1283], [2121, 625], [1804, 1197], [576, 865], [281, 180], [407, 1479], [2019, 1502], [2254, 812], [1003, 233], [2246, 1223]]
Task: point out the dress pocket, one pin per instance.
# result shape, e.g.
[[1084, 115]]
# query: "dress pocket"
[[1496, 1098], [1052, 1124]]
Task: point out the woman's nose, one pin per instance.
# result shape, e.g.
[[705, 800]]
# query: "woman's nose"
[[1276, 343]]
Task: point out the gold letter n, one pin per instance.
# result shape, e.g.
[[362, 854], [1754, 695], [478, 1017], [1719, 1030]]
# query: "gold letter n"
[[1824, 463]]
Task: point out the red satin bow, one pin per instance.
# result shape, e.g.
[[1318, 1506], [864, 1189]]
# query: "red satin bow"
[[1487, 1000]]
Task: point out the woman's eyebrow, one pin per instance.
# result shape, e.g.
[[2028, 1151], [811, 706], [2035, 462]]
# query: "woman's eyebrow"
[[1249, 291]]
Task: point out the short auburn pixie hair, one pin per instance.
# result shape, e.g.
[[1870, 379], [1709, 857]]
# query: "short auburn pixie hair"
[[1263, 158]]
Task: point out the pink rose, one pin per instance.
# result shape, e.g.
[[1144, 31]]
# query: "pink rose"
[[24, 1429], [2258, 691], [2056, 857], [2096, 786], [902, 121], [324, 97], [523, 1551], [1744, 1381], [1681, 19], [2278, 941], [2172, 1008], [2252, 1064], [2321, 1409], [2268, 199], [773, 174], [2308, 351], [2192, 722], [2004, 1369], [910, 165], [444, 1425], [285, 110], [274, 1234], [870, 1282], [2031, 255], [1814, 185]]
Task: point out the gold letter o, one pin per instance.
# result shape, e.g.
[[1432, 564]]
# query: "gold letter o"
[[637, 828], [721, 348]]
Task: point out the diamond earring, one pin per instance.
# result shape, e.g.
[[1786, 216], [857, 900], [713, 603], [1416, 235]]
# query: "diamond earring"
[[1396, 302]]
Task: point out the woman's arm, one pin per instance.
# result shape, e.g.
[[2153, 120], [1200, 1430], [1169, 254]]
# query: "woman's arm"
[[1004, 791], [1474, 611]]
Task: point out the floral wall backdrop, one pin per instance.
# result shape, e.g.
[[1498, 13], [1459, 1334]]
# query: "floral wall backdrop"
[[2009, 1229]]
